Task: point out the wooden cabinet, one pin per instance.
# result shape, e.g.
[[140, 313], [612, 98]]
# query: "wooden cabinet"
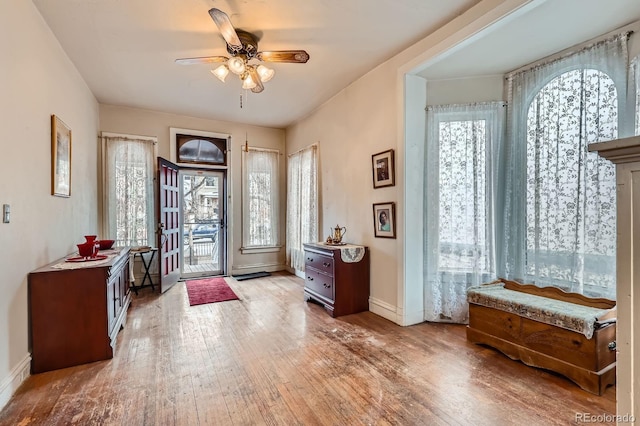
[[75, 314], [338, 282]]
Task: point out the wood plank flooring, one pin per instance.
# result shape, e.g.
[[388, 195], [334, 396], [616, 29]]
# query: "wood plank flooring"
[[273, 359]]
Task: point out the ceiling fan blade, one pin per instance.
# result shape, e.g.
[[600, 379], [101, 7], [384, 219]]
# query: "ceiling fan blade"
[[255, 77], [293, 56], [226, 29], [201, 60]]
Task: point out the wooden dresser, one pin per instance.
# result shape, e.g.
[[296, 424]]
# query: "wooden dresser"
[[339, 283], [76, 314]]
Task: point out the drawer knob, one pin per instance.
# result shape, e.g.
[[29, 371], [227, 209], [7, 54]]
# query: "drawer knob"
[[326, 285], [326, 264], [310, 259], [310, 278]]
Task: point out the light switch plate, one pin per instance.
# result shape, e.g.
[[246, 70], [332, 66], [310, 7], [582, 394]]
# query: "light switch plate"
[[6, 213]]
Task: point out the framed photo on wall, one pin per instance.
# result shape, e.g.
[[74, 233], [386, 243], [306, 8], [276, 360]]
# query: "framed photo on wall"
[[383, 169], [384, 220], [60, 158]]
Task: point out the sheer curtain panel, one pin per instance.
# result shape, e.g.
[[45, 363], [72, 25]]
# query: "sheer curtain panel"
[[461, 176], [260, 198], [129, 200], [560, 216], [302, 204]]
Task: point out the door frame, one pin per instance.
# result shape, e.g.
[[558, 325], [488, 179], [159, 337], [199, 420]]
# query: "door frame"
[[223, 235], [228, 224]]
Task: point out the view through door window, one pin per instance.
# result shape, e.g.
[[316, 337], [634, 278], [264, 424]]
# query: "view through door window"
[[203, 235]]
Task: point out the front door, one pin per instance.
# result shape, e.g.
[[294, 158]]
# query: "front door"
[[169, 224], [202, 221]]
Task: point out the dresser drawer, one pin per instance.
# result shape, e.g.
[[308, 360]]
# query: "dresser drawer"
[[319, 262], [318, 283]]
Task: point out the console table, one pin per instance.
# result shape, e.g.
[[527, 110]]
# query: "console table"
[[77, 309], [337, 277]]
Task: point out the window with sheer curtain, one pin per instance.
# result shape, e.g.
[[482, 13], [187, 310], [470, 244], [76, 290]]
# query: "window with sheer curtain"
[[302, 204], [463, 142], [260, 198], [128, 189], [571, 200], [560, 220], [538, 208]]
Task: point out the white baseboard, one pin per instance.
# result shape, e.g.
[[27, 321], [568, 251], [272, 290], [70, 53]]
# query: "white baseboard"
[[393, 313], [257, 267], [10, 384], [411, 318], [384, 309]]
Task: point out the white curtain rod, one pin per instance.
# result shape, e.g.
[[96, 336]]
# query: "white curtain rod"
[[315, 144]]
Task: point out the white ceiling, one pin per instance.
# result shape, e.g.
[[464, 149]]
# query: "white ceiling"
[[537, 31], [125, 49]]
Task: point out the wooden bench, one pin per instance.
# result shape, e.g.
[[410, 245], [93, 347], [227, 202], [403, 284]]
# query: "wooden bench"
[[545, 327]]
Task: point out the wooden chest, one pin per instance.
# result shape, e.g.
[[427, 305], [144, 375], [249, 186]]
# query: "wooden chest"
[[589, 362]]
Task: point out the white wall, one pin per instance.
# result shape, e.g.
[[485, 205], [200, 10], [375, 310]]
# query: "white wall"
[[355, 124], [36, 80], [150, 123], [465, 90], [370, 116]]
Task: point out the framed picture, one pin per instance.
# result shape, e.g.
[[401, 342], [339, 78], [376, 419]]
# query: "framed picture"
[[60, 158], [384, 220], [383, 169]]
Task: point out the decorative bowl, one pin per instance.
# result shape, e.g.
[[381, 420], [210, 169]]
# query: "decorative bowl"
[[90, 238], [105, 244]]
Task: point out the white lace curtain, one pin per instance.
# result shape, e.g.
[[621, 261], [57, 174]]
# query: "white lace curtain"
[[635, 65], [260, 192], [302, 204], [463, 145], [560, 211], [129, 171]]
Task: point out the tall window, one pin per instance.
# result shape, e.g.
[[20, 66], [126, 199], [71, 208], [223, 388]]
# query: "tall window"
[[560, 218], [462, 144], [302, 204], [128, 189], [260, 198], [571, 193]]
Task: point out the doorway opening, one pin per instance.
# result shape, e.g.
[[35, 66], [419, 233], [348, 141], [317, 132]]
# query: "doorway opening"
[[202, 221]]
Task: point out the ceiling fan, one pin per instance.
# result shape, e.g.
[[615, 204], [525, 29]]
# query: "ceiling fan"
[[243, 47]]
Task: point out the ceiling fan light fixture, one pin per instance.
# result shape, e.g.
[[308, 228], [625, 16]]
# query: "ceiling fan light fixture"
[[265, 73], [221, 72], [236, 65], [248, 83]]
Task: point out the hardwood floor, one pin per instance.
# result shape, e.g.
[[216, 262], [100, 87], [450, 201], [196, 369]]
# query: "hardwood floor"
[[270, 358]]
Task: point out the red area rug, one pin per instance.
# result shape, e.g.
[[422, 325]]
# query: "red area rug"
[[209, 290]]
